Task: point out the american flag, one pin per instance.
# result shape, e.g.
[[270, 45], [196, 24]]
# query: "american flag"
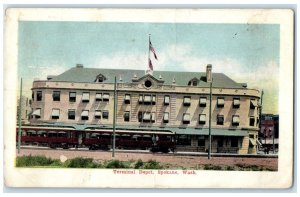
[[153, 51], [150, 65]]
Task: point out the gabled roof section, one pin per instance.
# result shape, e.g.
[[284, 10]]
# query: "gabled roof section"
[[100, 78], [147, 76], [88, 75]]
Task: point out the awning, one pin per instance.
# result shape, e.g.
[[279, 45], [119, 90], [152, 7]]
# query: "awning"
[[186, 117], [167, 99], [85, 96], [147, 116], [236, 119], [253, 103], [147, 98], [85, 113], [236, 102], [55, 112], [202, 117], [186, 100], [214, 132], [37, 112], [153, 98], [97, 113], [98, 96], [72, 94], [202, 100], [105, 96], [166, 116], [127, 97], [258, 142], [141, 98], [252, 141], [220, 101]]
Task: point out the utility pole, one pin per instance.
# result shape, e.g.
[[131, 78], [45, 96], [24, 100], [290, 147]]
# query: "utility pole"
[[20, 114], [114, 118]]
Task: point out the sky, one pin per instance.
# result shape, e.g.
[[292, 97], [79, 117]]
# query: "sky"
[[247, 53]]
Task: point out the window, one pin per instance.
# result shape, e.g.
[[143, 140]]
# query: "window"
[[253, 104], [140, 116], [146, 117], [220, 120], [167, 100], [166, 117], [194, 83], [202, 102], [37, 113], [141, 99], [97, 114], [235, 120], [71, 114], [202, 118], [234, 142], [126, 116], [85, 97], [220, 102], [153, 115], [105, 114], [186, 118], [257, 121], [39, 95], [32, 96], [187, 101], [148, 83], [56, 95], [236, 103], [147, 99], [153, 99], [252, 121], [55, 114], [98, 97], [106, 97], [127, 99], [72, 97], [85, 115]]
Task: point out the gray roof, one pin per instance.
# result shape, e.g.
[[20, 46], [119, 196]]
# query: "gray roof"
[[88, 75]]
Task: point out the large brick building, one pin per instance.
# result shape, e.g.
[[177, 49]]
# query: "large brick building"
[[158, 101]]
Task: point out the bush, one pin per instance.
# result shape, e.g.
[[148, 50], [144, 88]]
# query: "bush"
[[31, 161], [80, 162], [229, 168], [139, 164], [212, 167], [116, 164], [152, 164]]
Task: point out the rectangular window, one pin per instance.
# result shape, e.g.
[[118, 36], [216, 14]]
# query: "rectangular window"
[[236, 103], [106, 97], [253, 104], [202, 102], [220, 102], [187, 101], [153, 117], [220, 120], [105, 114], [166, 117], [37, 113], [97, 114], [251, 121], [56, 95], [72, 97], [153, 99], [85, 97], [39, 95], [127, 116], [141, 99], [127, 99], [186, 118], [71, 114], [146, 117], [235, 120], [85, 115], [234, 142], [32, 96], [167, 100], [140, 116], [147, 99], [202, 118], [98, 97], [55, 114]]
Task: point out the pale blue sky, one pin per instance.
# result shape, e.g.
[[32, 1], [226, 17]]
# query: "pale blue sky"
[[246, 53]]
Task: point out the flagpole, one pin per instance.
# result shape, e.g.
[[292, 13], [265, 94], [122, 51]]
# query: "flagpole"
[[149, 51]]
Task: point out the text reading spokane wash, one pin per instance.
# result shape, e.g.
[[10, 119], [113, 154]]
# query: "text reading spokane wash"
[[152, 172]]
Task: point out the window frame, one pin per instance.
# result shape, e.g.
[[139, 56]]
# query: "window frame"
[[200, 121], [187, 104], [235, 123], [186, 121], [166, 103], [220, 105], [85, 100], [72, 98], [54, 94], [56, 117], [220, 116], [127, 118], [71, 110], [39, 95], [236, 106], [85, 117], [104, 115]]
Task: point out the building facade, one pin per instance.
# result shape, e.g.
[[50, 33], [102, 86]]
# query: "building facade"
[[269, 131], [26, 110], [160, 101]]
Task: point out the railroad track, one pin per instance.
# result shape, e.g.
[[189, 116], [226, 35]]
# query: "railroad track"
[[202, 154]]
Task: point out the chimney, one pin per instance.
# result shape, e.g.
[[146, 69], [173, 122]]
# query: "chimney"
[[79, 65], [208, 73]]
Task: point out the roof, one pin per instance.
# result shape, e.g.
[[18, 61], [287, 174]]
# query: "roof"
[[88, 75]]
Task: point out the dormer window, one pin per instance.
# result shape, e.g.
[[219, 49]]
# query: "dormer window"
[[193, 82], [100, 78]]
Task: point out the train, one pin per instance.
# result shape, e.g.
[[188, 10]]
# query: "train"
[[97, 138]]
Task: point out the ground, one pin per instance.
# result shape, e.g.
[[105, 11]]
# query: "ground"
[[171, 160]]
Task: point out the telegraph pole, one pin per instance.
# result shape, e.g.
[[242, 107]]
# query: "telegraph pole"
[[20, 114], [114, 118]]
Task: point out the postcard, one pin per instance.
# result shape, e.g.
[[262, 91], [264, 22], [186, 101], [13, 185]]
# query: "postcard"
[[148, 98]]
